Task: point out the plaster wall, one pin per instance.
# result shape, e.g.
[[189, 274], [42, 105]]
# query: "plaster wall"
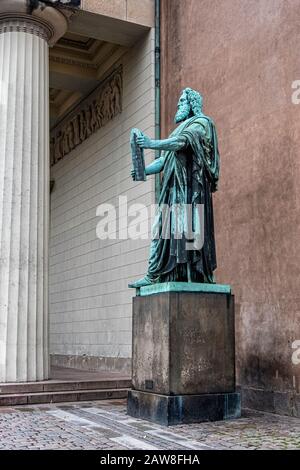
[[243, 56]]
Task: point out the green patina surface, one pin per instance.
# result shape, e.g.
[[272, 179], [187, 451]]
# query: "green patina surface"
[[184, 287], [183, 242]]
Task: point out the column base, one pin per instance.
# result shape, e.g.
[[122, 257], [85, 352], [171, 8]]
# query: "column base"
[[169, 410]]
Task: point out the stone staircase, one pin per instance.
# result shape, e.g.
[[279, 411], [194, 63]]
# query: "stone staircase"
[[79, 386]]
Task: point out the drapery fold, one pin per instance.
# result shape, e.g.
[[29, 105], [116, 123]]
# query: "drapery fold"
[[185, 209]]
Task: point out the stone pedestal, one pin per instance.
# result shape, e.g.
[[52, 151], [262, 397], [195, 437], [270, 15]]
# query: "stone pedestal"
[[24, 187], [183, 354]]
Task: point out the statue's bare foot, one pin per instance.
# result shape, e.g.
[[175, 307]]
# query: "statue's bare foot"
[[145, 281]]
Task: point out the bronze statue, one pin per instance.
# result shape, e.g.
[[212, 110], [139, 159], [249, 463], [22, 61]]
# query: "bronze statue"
[[190, 165]]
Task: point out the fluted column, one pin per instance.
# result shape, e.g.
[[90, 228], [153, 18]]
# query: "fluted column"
[[24, 196]]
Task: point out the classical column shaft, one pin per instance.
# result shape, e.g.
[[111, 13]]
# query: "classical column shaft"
[[24, 203]]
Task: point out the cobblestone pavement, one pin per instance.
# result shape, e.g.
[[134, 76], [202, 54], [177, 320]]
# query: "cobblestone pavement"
[[104, 425]]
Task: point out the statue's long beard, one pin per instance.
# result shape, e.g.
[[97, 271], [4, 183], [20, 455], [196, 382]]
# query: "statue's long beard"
[[182, 114]]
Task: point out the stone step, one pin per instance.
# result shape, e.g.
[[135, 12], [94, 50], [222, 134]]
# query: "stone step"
[[63, 385], [33, 398]]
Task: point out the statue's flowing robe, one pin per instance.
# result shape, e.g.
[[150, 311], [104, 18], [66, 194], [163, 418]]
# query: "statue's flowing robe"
[[190, 176]]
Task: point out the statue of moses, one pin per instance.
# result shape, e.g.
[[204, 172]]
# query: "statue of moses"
[[190, 164]]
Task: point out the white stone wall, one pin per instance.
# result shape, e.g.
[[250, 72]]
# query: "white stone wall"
[[90, 304]]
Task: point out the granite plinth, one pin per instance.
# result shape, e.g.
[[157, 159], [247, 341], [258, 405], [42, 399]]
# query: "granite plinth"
[[183, 353], [183, 409]]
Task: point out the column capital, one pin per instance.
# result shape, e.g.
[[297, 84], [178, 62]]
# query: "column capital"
[[43, 21]]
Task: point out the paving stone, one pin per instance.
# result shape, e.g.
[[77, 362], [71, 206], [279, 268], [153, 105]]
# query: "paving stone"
[[105, 425]]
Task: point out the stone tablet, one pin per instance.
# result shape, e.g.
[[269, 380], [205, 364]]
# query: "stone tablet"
[[137, 154]]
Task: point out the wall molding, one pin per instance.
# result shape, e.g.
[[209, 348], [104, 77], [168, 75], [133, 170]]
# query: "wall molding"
[[92, 363], [271, 401]]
